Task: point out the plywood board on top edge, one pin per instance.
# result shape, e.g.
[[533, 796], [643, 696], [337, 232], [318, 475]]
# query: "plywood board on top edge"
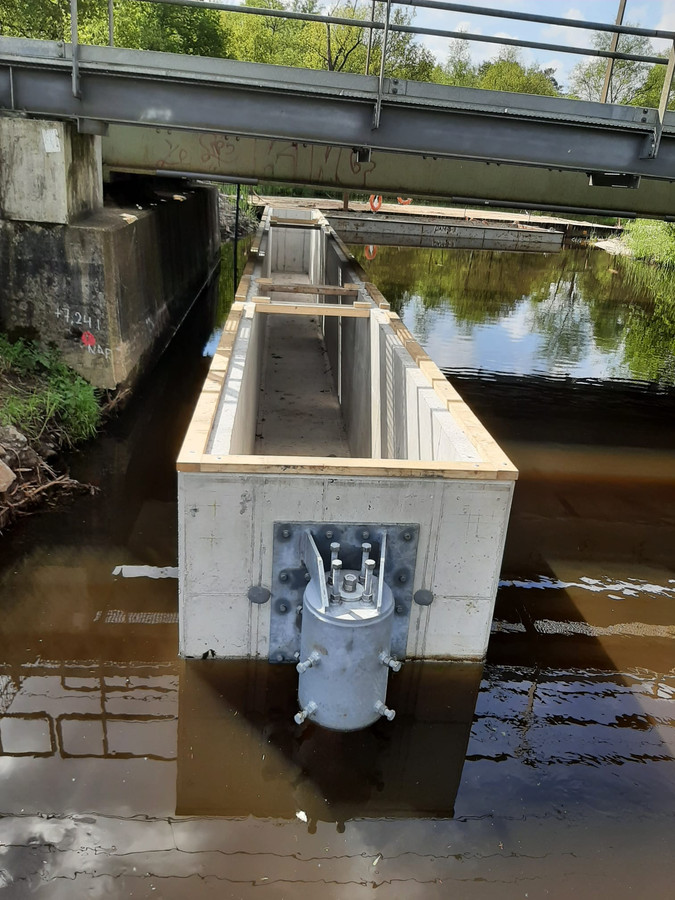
[[371, 468], [204, 415]]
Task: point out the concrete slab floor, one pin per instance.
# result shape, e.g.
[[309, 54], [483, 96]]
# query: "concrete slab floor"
[[299, 413]]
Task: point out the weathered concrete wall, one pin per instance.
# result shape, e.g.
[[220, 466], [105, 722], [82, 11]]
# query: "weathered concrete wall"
[[108, 289], [48, 172]]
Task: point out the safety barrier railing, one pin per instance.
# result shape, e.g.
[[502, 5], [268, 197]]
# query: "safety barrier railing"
[[387, 27]]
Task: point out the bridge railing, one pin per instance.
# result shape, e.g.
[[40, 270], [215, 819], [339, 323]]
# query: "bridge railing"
[[388, 26]]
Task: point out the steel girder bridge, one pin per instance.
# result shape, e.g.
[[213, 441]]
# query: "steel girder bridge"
[[238, 121]]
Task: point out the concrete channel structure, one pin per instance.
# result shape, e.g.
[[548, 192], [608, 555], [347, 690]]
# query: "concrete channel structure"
[[325, 437]]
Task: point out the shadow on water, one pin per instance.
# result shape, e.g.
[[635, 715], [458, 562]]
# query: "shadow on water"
[[545, 772]]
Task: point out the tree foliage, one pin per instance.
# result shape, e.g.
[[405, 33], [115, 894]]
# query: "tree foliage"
[[633, 83]]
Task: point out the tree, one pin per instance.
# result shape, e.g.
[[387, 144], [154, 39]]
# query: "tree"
[[137, 25], [507, 73], [459, 69], [629, 77]]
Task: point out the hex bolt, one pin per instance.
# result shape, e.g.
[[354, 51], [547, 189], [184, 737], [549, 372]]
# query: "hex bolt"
[[286, 533], [365, 555], [336, 573], [393, 663], [305, 713], [400, 609], [368, 581], [334, 551], [349, 583], [402, 578], [365, 535], [329, 535], [283, 576], [407, 536], [382, 710], [312, 660]]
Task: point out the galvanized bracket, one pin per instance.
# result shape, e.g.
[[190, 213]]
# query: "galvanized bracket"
[[296, 558]]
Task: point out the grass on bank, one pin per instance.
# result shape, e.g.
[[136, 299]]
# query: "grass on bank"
[[41, 396], [652, 240]]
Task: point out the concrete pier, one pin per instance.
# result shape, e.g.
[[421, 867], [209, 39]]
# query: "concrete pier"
[[105, 284], [322, 414]]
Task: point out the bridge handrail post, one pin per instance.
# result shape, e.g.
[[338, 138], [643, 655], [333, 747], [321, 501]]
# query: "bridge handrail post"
[[614, 43], [370, 37], [111, 24], [75, 57], [380, 84]]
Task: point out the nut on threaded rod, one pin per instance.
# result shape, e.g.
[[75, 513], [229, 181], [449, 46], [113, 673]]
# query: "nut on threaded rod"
[[305, 713], [312, 660], [393, 663], [383, 711]]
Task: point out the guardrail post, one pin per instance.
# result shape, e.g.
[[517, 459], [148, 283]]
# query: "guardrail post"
[[111, 24], [614, 43], [665, 96], [370, 38], [380, 84], [75, 59]]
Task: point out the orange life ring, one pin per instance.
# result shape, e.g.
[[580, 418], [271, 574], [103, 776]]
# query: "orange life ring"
[[404, 202], [375, 202], [371, 251]]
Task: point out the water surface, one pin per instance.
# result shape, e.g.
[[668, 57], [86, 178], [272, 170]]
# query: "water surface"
[[547, 772]]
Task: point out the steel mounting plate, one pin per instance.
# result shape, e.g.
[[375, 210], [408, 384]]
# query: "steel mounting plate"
[[290, 575]]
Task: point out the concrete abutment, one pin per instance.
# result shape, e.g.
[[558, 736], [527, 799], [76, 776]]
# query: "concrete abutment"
[[106, 284]]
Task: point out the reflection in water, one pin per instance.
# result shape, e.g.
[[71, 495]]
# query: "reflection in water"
[[578, 313], [548, 772]]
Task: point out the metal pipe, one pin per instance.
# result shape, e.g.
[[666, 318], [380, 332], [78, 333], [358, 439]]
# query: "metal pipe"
[[273, 13], [380, 84], [370, 38], [74, 47], [532, 17], [205, 176], [614, 43], [459, 35], [536, 45], [111, 24]]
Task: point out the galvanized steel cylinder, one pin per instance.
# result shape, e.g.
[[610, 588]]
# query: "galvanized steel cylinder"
[[344, 652]]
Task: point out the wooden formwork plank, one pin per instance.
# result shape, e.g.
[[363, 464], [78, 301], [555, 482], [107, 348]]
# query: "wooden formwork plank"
[[285, 308], [372, 468], [194, 445], [280, 287]]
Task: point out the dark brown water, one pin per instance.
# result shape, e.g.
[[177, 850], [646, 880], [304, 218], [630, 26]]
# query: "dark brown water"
[[548, 772]]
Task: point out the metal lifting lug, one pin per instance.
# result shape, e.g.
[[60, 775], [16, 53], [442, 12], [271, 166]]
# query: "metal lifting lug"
[[305, 713], [386, 660], [384, 711], [312, 660]]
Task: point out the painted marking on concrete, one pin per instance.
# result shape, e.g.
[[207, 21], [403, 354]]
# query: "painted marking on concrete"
[[50, 140], [632, 588], [146, 571]]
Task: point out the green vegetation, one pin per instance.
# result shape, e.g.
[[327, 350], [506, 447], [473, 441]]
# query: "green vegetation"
[[652, 240], [40, 395]]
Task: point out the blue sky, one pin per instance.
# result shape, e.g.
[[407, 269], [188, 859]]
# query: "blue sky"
[[648, 13]]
